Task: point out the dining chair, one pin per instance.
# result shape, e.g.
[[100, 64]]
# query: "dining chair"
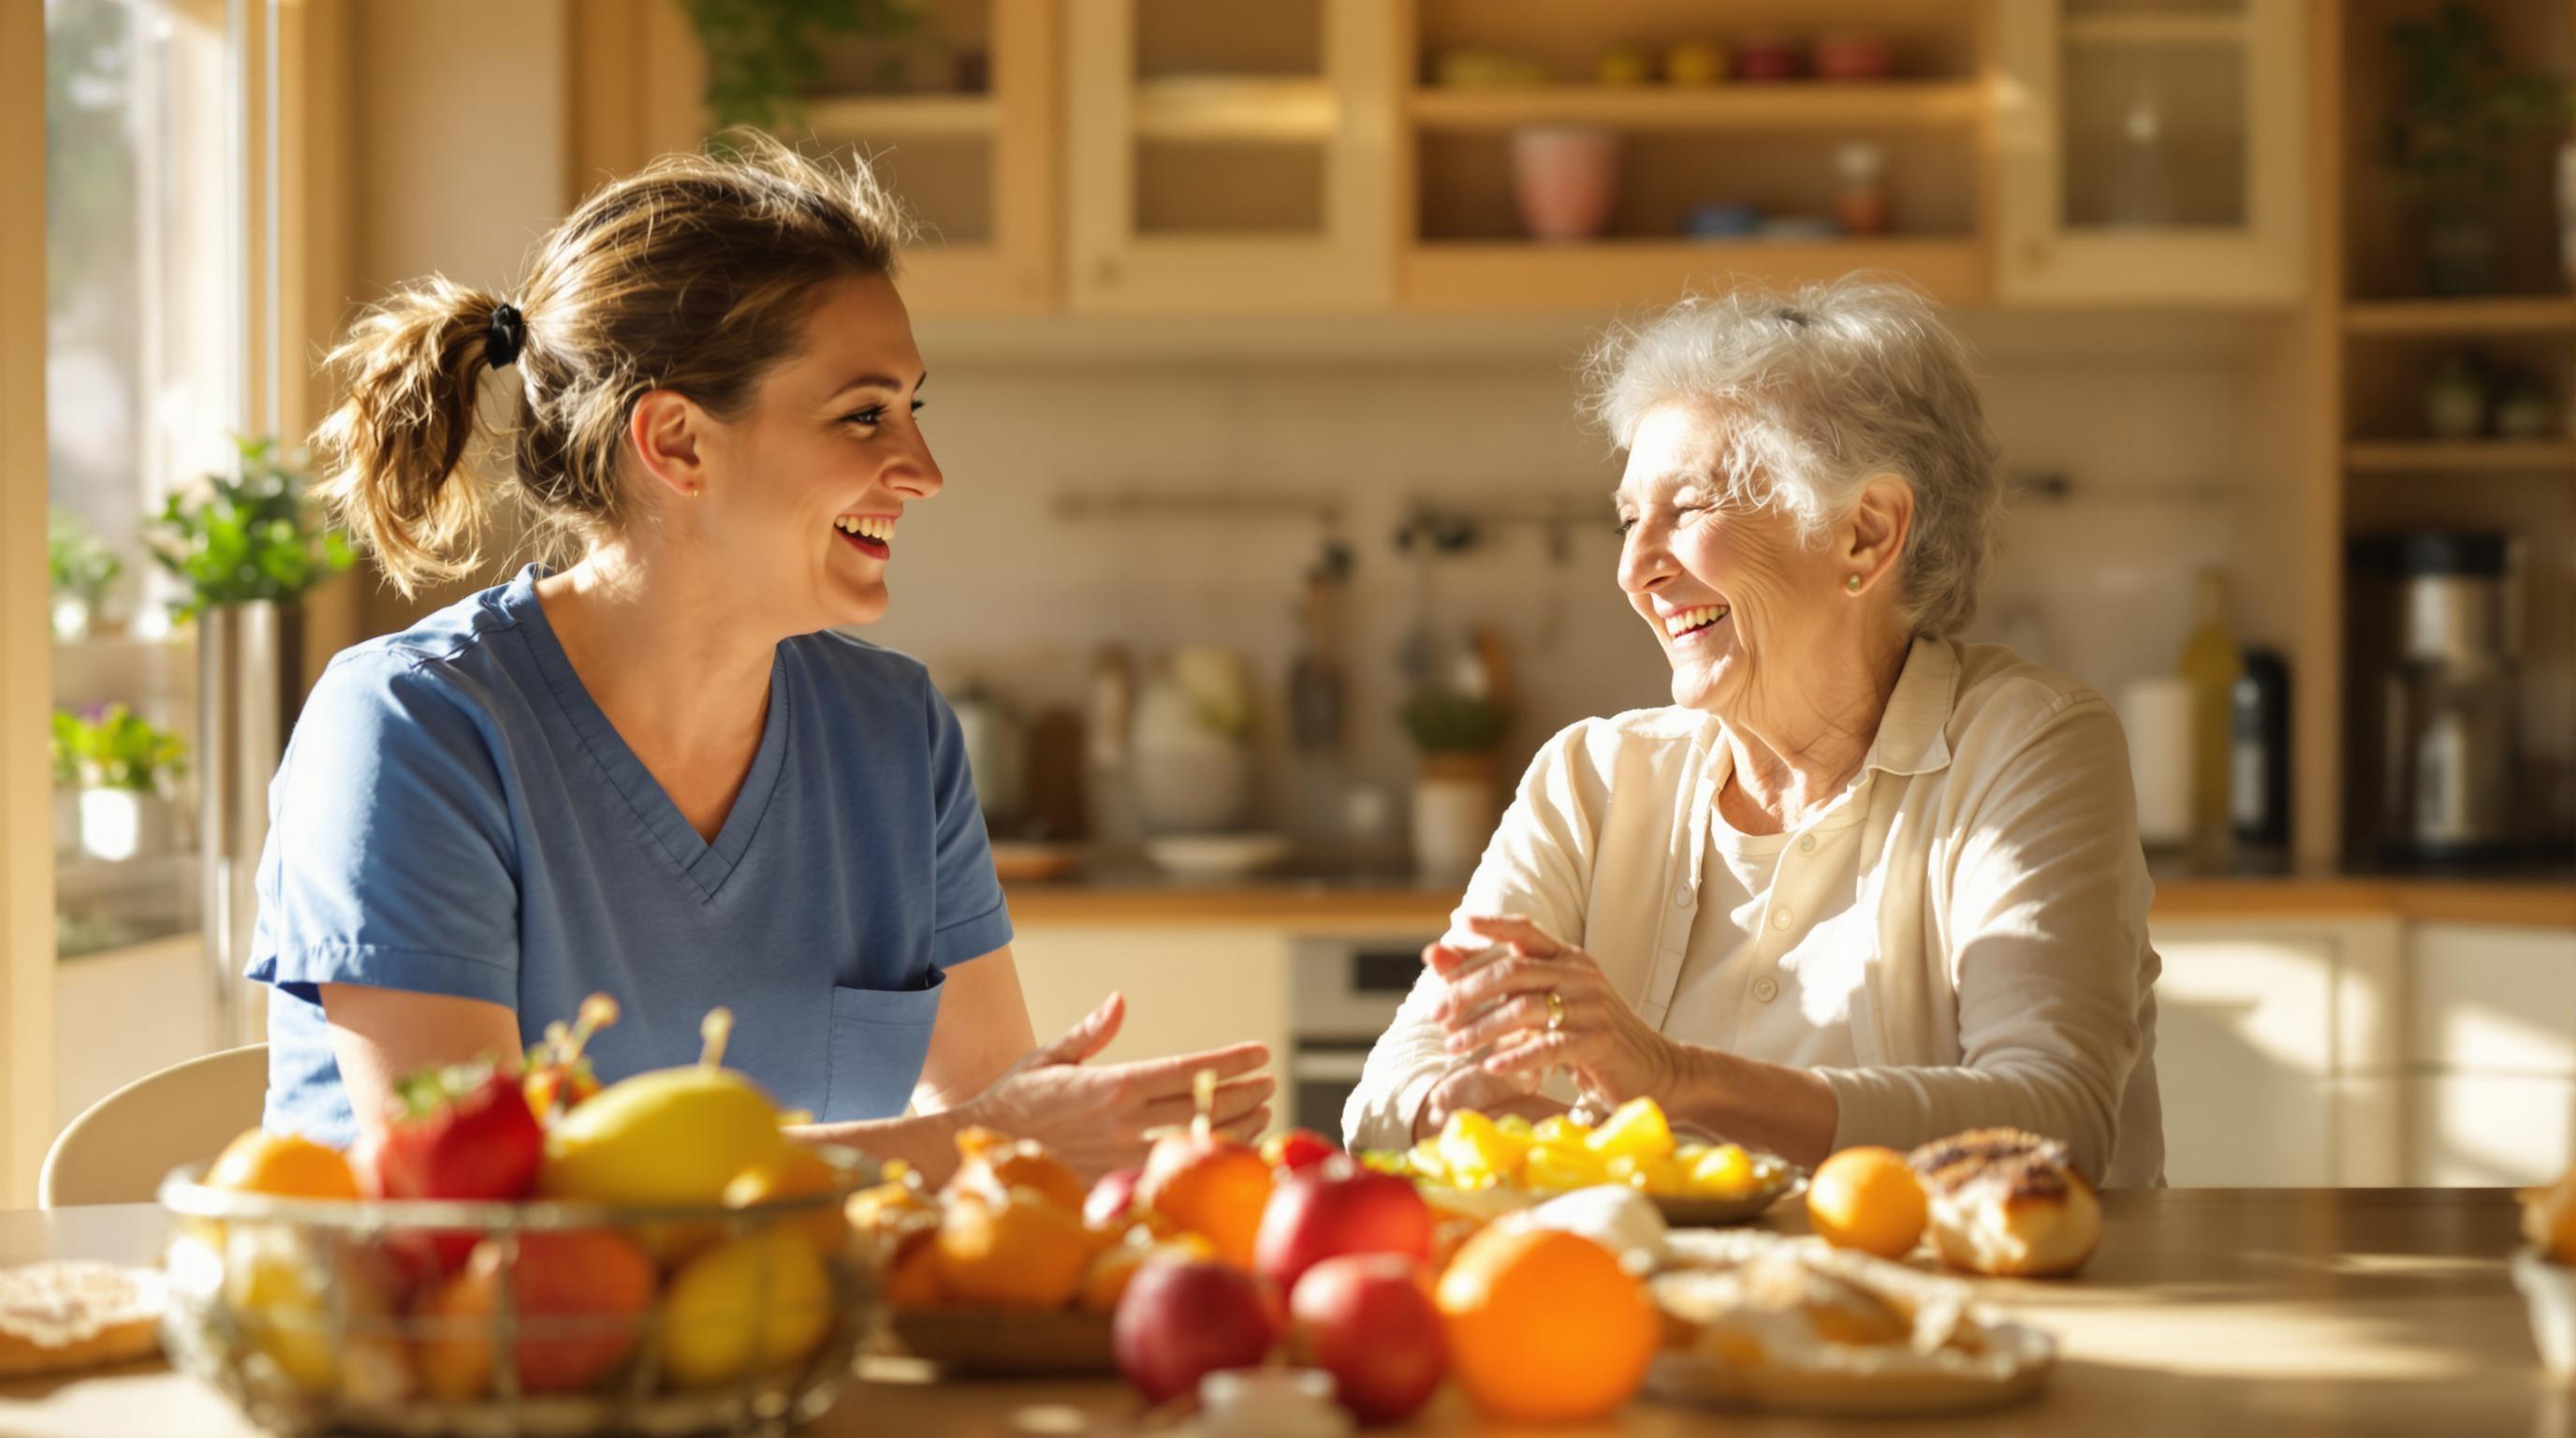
[[126, 1143]]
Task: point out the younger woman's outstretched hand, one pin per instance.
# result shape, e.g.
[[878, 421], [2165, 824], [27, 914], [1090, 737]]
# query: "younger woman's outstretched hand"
[[1096, 1117]]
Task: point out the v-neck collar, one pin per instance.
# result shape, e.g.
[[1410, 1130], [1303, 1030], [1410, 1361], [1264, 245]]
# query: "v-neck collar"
[[706, 865]]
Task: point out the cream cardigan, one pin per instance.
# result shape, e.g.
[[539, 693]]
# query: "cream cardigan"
[[1972, 911]]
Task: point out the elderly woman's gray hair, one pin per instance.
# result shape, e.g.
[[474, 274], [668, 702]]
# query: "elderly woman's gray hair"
[[1817, 391]]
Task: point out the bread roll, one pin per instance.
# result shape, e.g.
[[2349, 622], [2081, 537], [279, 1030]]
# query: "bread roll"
[[2008, 1204], [59, 1317]]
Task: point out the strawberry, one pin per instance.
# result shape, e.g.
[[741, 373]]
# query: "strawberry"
[[463, 1132]]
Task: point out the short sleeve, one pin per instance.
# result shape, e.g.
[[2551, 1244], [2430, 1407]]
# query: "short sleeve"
[[971, 918], [390, 855]]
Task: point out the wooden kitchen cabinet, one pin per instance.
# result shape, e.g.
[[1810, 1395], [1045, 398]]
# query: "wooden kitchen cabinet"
[[1229, 159], [973, 157], [1188, 987], [2152, 152], [2279, 1052], [2493, 1035]]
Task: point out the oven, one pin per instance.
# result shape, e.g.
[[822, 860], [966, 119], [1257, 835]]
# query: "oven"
[[1343, 992]]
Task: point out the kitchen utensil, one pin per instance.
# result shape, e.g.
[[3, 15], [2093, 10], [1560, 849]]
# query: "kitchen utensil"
[[993, 756], [2451, 752]]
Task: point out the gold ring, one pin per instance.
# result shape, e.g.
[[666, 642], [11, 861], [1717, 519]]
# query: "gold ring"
[[1555, 1011]]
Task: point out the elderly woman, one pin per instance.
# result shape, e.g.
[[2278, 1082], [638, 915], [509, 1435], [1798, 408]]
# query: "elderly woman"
[[1860, 883]]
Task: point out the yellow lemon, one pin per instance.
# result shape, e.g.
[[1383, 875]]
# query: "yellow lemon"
[[743, 1307]]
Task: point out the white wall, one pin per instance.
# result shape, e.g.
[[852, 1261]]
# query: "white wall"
[[2149, 419]]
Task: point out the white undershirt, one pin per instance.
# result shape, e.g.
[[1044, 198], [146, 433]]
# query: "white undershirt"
[[1749, 987]]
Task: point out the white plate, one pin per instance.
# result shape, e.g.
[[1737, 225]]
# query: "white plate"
[[1216, 856]]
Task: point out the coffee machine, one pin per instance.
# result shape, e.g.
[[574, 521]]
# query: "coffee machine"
[[2437, 634]]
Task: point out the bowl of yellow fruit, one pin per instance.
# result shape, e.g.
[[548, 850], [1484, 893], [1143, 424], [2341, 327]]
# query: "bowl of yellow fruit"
[[521, 1251], [1483, 1165]]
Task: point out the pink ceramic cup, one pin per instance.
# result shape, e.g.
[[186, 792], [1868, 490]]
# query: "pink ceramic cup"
[[1565, 179]]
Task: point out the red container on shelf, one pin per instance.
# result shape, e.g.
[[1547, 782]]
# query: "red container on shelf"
[[1854, 55]]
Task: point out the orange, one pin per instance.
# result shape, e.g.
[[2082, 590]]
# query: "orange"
[[1110, 1273], [1021, 1250], [1867, 1198], [1212, 1187], [290, 1167], [912, 1279], [1545, 1326]]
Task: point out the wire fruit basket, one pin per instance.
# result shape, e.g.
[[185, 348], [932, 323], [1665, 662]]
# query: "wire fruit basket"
[[535, 1319]]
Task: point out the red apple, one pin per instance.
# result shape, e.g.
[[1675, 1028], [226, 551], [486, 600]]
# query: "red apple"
[[1369, 1320], [1334, 1208], [583, 1297], [1181, 1321], [1112, 1198], [1298, 1148]]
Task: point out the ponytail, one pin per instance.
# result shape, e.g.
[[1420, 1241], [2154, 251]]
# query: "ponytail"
[[392, 456]]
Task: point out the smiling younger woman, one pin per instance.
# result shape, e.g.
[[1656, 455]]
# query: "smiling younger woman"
[[657, 772]]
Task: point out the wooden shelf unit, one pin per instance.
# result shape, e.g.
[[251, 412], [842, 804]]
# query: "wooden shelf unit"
[[1488, 275], [1821, 108], [2471, 456], [870, 117], [2156, 29], [2466, 318], [1255, 109]]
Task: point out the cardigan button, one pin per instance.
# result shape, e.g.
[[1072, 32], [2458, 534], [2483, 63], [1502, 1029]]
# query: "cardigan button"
[[1685, 896], [1765, 990], [1806, 843]]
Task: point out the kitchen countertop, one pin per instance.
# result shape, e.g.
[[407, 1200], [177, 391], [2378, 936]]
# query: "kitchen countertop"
[[1379, 902], [2314, 1311]]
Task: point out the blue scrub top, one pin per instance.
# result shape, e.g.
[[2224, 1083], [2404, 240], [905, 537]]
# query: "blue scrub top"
[[454, 815]]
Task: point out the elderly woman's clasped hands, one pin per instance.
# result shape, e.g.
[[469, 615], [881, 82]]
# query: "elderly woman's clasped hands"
[[1533, 1003]]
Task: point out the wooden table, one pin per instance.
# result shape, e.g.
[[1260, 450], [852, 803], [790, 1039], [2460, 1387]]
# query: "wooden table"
[[2207, 1313]]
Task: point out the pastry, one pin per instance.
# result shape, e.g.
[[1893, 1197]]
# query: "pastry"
[[2008, 1204], [57, 1317]]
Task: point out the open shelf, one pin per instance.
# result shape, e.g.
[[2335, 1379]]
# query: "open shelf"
[[1235, 110], [2544, 314], [1829, 108], [866, 117], [1611, 274], [2472, 456], [2155, 29]]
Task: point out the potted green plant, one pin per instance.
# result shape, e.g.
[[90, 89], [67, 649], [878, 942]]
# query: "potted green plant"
[[2453, 135], [79, 566], [765, 56], [127, 769], [1455, 789], [254, 538], [249, 547]]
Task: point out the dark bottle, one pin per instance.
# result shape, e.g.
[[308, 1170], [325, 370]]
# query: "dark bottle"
[[2258, 769]]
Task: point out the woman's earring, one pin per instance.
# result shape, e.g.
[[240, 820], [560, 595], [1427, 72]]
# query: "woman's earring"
[[1852, 583]]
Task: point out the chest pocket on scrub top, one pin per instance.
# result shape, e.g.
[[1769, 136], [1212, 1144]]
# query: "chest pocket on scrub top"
[[880, 1038]]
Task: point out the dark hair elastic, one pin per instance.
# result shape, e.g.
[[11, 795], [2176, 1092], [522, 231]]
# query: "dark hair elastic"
[[503, 336]]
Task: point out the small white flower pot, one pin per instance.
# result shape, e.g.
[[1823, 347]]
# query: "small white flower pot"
[[119, 824]]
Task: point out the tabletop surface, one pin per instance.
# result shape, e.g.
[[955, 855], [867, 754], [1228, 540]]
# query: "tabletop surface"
[[2206, 1312]]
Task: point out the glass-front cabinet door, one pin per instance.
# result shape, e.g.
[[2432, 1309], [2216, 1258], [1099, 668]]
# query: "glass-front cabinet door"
[[1229, 158], [2152, 150]]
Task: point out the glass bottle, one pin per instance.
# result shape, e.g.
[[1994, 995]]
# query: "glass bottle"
[[2210, 664]]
